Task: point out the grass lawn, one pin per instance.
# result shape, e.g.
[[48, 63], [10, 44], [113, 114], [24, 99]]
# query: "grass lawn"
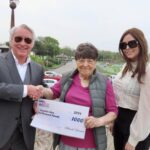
[[108, 69]]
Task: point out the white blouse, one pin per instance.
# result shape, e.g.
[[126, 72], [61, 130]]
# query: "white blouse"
[[127, 91]]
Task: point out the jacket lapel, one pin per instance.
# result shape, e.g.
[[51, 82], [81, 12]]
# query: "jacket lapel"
[[10, 62], [33, 72]]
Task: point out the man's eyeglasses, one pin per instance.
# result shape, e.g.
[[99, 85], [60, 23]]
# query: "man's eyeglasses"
[[131, 44], [27, 40]]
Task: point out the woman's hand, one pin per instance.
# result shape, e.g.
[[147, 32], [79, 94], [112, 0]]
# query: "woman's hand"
[[129, 147], [110, 127], [92, 122]]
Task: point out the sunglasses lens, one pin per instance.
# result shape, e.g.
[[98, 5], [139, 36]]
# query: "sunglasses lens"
[[122, 45], [18, 39], [28, 40], [133, 44]]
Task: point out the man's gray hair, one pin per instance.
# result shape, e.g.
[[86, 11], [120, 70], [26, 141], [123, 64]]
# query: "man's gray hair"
[[24, 26]]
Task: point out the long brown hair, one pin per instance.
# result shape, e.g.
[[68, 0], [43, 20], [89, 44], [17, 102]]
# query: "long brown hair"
[[142, 56]]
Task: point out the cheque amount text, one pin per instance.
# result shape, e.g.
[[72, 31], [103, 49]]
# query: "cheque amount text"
[[77, 119]]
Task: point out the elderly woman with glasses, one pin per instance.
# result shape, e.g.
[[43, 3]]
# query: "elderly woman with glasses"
[[131, 87], [87, 87]]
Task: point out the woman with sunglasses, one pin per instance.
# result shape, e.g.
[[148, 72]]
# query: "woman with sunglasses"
[[131, 86]]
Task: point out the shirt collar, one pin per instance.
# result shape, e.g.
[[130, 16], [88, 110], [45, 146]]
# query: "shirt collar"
[[17, 62]]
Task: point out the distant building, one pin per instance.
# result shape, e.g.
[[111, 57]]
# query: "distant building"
[[3, 48], [63, 57]]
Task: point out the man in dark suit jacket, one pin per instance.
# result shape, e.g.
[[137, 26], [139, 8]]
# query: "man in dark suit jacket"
[[19, 76]]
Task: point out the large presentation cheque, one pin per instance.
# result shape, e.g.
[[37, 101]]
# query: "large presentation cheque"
[[62, 118]]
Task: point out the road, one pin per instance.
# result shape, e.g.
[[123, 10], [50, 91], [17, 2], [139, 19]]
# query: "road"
[[67, 67], [43, 139]]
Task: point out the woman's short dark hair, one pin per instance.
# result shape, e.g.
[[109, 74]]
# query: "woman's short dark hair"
[[86, 50]]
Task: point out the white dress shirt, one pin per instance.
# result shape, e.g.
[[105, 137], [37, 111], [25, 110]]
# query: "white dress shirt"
[[22, 69]]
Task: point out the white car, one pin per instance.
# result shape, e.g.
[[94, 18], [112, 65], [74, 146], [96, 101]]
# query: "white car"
[[49, 82], [52, 73]]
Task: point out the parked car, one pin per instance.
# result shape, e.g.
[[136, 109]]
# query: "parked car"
[[52, 75], [49, 82]]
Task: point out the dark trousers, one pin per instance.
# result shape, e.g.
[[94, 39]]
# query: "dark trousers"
[[16, 142], [121, 130]]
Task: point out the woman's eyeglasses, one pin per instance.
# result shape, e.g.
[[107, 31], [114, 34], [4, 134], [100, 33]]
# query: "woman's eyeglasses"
[[89, 61], [130, 44], [27, 40]]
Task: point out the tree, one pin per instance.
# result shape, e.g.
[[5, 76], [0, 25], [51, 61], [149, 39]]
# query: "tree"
[[109, 56], [46, 46], [67, 51]]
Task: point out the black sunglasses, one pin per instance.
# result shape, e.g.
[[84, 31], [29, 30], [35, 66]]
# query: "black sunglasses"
[[131, 44], [26, 39]]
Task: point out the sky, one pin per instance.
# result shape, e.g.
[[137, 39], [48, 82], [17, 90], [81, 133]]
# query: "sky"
[[71, 22]]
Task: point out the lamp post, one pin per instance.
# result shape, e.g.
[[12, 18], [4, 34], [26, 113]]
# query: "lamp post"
[[13, 5]]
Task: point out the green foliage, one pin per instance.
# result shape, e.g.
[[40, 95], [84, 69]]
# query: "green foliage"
[[38, 59], [67, 51], [46, 61], [108, 56], [46, 46], [108, 69]]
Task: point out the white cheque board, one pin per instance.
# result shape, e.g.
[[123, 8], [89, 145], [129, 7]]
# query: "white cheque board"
[[61, 118]]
